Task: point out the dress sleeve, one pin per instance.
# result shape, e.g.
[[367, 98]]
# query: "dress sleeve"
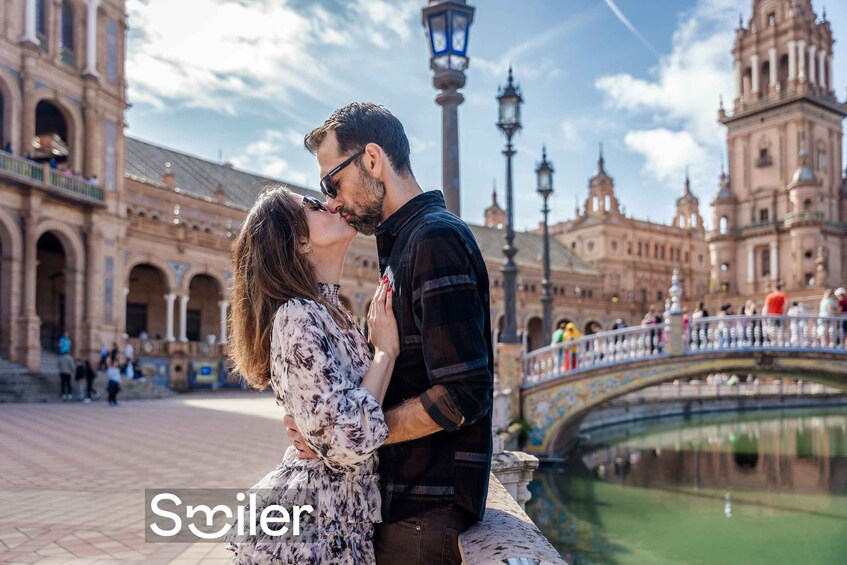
[[342, 422]]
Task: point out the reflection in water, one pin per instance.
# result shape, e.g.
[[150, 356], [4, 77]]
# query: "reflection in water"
[[754, 488]]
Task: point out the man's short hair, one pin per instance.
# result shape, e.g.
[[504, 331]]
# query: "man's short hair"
[[359, 123]]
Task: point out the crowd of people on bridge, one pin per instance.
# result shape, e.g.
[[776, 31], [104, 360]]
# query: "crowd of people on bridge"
[[776, 303]]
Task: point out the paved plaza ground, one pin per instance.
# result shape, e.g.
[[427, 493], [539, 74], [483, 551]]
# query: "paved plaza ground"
[[72, 476]]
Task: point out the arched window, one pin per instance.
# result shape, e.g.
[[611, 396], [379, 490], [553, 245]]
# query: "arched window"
[[807, 205], [766, 262], [723, 225], [594, 203], [693, 220], [608, 203]]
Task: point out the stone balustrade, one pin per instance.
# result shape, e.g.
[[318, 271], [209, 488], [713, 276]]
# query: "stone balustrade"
[[672, 339], [506, 534], [42, 175]]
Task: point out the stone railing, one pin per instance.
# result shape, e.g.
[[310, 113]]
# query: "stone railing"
[[30, 171], [702, 391], [506, 534], [205, 349], [766, 332], [590, 352], [714, 334], [159, 348]]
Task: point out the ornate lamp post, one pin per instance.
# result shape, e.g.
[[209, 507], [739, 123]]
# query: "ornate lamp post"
[[544, 173], [447, 24], [509, 123]]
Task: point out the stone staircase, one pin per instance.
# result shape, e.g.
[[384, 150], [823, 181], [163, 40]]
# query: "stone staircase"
[[17, 384]]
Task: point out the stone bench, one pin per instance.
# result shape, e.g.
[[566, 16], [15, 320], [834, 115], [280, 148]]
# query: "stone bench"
[[506, 534]]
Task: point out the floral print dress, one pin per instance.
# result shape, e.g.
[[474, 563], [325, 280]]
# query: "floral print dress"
[[316, 372]]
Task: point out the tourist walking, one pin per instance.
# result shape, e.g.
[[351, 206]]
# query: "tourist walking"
[[434, 468], [841, 296], [571, 334], [104, 358], [828, 305], [64, 345], [66, 369], [113, 354], [90, 376], [556, 339], [114, 386], [317, 361], [129, 351], [775, 301], [79, 379]]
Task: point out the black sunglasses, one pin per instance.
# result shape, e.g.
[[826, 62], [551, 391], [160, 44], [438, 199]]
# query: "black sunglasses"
[[313, 202], [329, 188]]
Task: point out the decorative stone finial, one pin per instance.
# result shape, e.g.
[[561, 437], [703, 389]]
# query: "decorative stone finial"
[[675, 293]]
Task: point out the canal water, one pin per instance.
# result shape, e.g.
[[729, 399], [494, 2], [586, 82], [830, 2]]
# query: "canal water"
[[764, 487]]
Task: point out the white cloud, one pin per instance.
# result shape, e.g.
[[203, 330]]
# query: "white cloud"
[[265, 155], [399, 18], [667, 153], [224, 54], [418, 145], [682, 100]]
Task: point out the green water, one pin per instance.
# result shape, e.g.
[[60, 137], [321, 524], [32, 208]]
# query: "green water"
[[769, 488]]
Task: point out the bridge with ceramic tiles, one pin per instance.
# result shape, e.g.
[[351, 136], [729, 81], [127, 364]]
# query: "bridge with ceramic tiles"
[[560, 384]]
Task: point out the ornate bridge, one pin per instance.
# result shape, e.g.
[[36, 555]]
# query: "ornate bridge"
[[562, 383]]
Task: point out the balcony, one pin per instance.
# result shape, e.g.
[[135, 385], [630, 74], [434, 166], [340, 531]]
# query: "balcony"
[[53, 180], [68, 57], [803, 217]]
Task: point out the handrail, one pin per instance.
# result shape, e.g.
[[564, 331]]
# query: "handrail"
[[712, 334], [34, 172]]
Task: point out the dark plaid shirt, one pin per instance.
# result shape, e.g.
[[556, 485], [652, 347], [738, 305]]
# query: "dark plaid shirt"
[[441, 301]]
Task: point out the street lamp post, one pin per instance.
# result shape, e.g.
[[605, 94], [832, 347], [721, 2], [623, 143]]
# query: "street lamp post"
[[509, 122], [544, 173], [447, 24]]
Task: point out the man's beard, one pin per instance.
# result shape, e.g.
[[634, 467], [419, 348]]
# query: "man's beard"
[[368, 216]]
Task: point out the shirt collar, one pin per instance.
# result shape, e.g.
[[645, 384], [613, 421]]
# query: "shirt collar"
[[409, 211]]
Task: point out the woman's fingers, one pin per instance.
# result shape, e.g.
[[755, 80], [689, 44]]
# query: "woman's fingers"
[[380, 301]]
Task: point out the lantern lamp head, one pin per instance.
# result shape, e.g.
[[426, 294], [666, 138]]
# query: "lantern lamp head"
[[447, 24]]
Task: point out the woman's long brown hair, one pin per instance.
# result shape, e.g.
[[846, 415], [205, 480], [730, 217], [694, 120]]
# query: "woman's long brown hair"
[[268, 270]]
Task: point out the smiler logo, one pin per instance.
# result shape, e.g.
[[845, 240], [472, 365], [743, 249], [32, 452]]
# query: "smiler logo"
[[191, 515]]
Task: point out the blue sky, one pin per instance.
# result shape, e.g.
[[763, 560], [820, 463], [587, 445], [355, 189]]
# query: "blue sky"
[[251, 77]]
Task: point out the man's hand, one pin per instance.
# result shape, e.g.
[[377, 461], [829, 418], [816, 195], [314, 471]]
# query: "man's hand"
[[303, 450]]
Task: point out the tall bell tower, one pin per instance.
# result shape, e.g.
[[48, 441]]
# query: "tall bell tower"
[[786, 199]]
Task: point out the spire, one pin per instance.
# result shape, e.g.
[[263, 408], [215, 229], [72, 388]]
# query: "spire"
[[544, 152], [511, 81], [576, 205], [720, 101], [494, 192], [824, 13], [740, 20], [601, 163], [687, 182]]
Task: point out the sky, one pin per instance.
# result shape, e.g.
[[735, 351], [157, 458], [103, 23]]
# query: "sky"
[[246, 79]]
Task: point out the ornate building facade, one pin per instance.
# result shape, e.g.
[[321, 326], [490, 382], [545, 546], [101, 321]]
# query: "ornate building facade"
[[781, 212], [636, 257], [115, 239]]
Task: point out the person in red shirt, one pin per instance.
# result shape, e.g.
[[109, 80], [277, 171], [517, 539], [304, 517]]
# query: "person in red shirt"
[[776, 301], [841, 295]]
